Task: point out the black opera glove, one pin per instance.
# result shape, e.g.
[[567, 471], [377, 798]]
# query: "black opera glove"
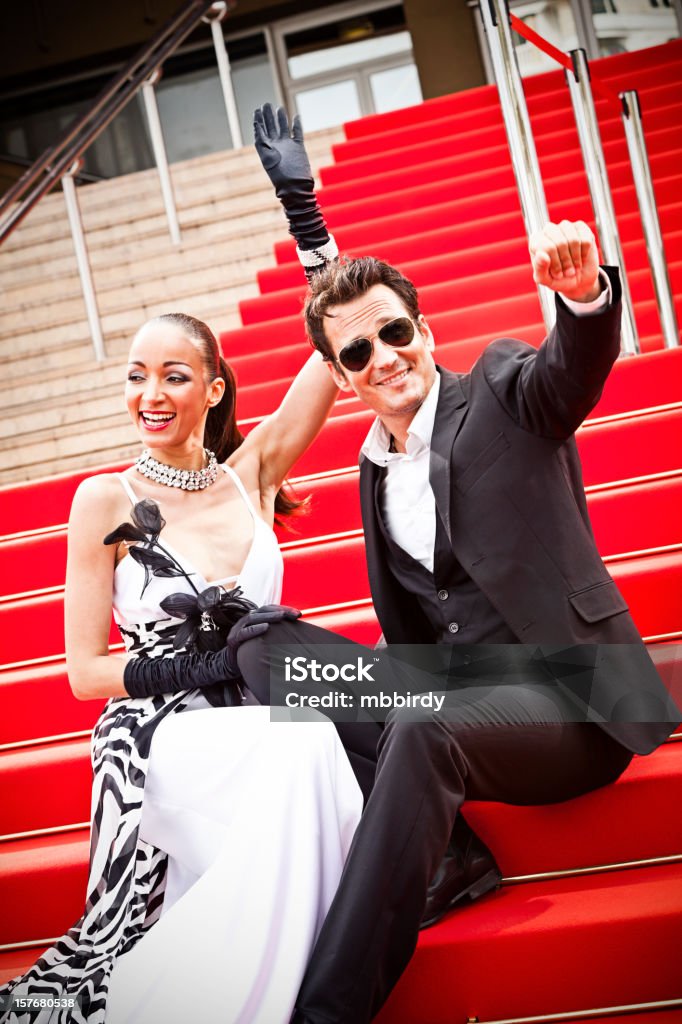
[[283, 155], [149, 677]]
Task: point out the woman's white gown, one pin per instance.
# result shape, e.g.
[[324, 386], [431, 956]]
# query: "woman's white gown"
[[256, 817]]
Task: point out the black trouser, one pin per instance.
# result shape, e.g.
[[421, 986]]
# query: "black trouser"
[[496, 742]]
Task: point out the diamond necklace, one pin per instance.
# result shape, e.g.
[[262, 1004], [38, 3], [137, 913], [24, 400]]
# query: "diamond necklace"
[[185, 479]]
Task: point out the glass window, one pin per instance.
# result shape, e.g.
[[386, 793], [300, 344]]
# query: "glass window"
[[191, 104], [253, 86], [633, 25], [395, 87], [328, 105], [332, 58], [192, 115]]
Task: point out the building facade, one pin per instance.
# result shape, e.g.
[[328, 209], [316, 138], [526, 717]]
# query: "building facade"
[[330, 62]]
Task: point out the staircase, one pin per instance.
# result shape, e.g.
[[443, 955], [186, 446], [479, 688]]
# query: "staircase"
[[590, 915]]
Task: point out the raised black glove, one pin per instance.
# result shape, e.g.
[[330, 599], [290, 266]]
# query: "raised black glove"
[[283, 155], [148, 677]]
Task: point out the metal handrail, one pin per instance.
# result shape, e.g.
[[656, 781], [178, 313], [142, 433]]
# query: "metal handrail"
[[87, 177], [56, 160]]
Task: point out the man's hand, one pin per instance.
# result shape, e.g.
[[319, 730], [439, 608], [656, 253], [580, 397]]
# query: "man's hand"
[[565, 258]]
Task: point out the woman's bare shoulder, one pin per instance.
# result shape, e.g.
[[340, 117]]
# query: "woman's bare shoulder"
[[99, 498]]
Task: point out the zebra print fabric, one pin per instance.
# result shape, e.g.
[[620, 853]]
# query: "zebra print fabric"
[[126, 878]]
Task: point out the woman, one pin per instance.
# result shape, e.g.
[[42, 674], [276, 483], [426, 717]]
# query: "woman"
[[225, 832]]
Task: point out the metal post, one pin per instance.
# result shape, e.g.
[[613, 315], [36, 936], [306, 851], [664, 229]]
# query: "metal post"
[[160, 156], [598, 181], [584, 23], [519, 135], [274, 66], [76, 225], [215, 17], [634, 134], [677, 7]]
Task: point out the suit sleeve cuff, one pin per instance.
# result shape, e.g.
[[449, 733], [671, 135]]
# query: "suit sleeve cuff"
[[601, 302]]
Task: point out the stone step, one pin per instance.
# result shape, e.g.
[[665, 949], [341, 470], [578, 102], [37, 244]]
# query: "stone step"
[[64, 307], [52, 235], [213, 175], [113, 450], [46, 368], [76, 353], [36, 454], [62, 412], [249, 232], [228, 255], [26, 336], [74, 431], [249, 191], [227, 165], [58, 387], [128, 255], [41, 372]]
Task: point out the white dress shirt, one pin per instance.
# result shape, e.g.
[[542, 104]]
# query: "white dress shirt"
[[407, 503]]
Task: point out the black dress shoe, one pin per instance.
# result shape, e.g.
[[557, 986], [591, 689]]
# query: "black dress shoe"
[[467, 871]]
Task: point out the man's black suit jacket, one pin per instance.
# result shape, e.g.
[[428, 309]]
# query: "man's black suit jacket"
[[507, 480]]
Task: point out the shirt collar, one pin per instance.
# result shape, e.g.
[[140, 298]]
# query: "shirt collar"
[[419, 432]]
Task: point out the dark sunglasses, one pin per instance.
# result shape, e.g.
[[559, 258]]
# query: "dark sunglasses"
[[356, 354]]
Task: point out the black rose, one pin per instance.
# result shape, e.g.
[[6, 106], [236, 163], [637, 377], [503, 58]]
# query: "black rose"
[[209, 616], [143, 534]]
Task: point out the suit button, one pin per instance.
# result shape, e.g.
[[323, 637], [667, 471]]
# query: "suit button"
[[443, 595], [454, 627], [467, 659]]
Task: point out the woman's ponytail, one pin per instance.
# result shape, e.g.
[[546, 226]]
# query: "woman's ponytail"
[[221, 434]]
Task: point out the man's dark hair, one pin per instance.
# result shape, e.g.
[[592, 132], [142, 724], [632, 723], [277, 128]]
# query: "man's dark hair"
[[345, 280]]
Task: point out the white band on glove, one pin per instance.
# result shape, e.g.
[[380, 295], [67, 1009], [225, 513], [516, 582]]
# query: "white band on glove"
[[319, 256]]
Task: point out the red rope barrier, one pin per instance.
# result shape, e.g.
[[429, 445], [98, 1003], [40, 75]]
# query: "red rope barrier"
[[605, 91], [542, 44]]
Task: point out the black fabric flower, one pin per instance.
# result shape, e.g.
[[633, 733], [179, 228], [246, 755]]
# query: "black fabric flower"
[[209, 616], [147, 516], [148, 524], [143, 535]]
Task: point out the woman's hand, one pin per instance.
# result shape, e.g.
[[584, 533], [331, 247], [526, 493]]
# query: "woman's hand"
[[282, 151], [283, 155]]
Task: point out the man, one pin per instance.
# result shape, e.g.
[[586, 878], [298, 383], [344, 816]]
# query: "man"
[[477, 533]]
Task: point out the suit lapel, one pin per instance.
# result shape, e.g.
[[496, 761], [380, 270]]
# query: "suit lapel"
[[369, 480], [450, 413]]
